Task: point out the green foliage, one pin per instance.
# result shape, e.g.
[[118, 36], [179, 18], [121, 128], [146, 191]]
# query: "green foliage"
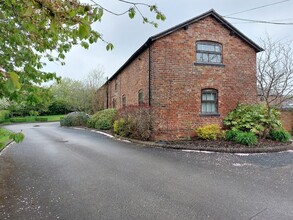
[[4, 115], [280, 135], [31, 31], [123, 127], [103, 119], [18, 120], [209, 132], [74, 119], [58, 107], [41, 119], [17, 137], [253, 118], [33, 113], [231, 135], [4, 137], [134, 122], [246, 138]]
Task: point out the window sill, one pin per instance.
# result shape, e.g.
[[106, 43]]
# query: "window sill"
[[209, 115], [209, 64]]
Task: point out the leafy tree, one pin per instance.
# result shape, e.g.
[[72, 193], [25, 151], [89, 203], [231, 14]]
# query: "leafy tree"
[[33, 31], [79, 95], [36, 99]]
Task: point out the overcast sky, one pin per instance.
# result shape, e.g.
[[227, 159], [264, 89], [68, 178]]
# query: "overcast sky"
[[128, 35]]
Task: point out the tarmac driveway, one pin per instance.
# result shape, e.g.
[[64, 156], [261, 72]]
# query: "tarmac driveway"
[[62, 173]]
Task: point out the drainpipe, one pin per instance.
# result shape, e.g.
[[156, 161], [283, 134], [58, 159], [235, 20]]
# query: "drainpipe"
[[150, 75]]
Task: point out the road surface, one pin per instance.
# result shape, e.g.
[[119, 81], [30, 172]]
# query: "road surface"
[[64, 173]]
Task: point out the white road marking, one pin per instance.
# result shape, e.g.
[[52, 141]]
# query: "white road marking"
[[198, 151]]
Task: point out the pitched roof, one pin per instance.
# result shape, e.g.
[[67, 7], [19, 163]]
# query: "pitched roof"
[[212, 13]]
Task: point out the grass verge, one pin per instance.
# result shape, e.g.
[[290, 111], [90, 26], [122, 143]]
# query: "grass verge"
[[4, 138]]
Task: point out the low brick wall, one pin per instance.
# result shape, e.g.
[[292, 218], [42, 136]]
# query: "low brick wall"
[[287, 119]]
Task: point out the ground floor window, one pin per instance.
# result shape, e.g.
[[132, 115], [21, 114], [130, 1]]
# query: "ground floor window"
[[209, 101], [114, 103], [140, 97], [123, 101]]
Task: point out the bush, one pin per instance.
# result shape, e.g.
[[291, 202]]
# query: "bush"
[[18, 120], [280, 135], [103, 119], [74, 119], [134, 122], [246, 138], [253, 118], [42, 119], [231, 135], [209, 132], [58, 107], [4, 114], [122, 127]]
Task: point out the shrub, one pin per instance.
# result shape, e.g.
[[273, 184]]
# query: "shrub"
[[209, 132], [246, 138], [102, 119], [134, 122], [122, 127], [74, 119], [58, 107], [42, 119], [231, 135], [4, 114], [18, 120], [280, 135], [253, 118]]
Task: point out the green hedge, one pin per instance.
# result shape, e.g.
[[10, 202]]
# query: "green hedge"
[[18, 120], [4, 115], [42, 119]]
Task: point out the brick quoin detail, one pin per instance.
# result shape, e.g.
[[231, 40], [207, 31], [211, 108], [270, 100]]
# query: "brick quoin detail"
[[168, 67]]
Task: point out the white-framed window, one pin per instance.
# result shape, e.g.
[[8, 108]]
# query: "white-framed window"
[[209, 101]]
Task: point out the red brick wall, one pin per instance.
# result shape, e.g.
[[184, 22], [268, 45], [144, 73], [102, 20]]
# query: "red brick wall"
[[176, 82], [287, 119], [130, 81]]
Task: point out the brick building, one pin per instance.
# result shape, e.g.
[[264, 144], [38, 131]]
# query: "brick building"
[[192, 74]]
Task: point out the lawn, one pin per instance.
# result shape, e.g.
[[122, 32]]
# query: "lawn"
[[4, 137]]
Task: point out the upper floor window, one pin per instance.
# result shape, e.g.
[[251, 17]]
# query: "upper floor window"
[[208, 52], [140, 97], [123, 101], [209, 101]]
